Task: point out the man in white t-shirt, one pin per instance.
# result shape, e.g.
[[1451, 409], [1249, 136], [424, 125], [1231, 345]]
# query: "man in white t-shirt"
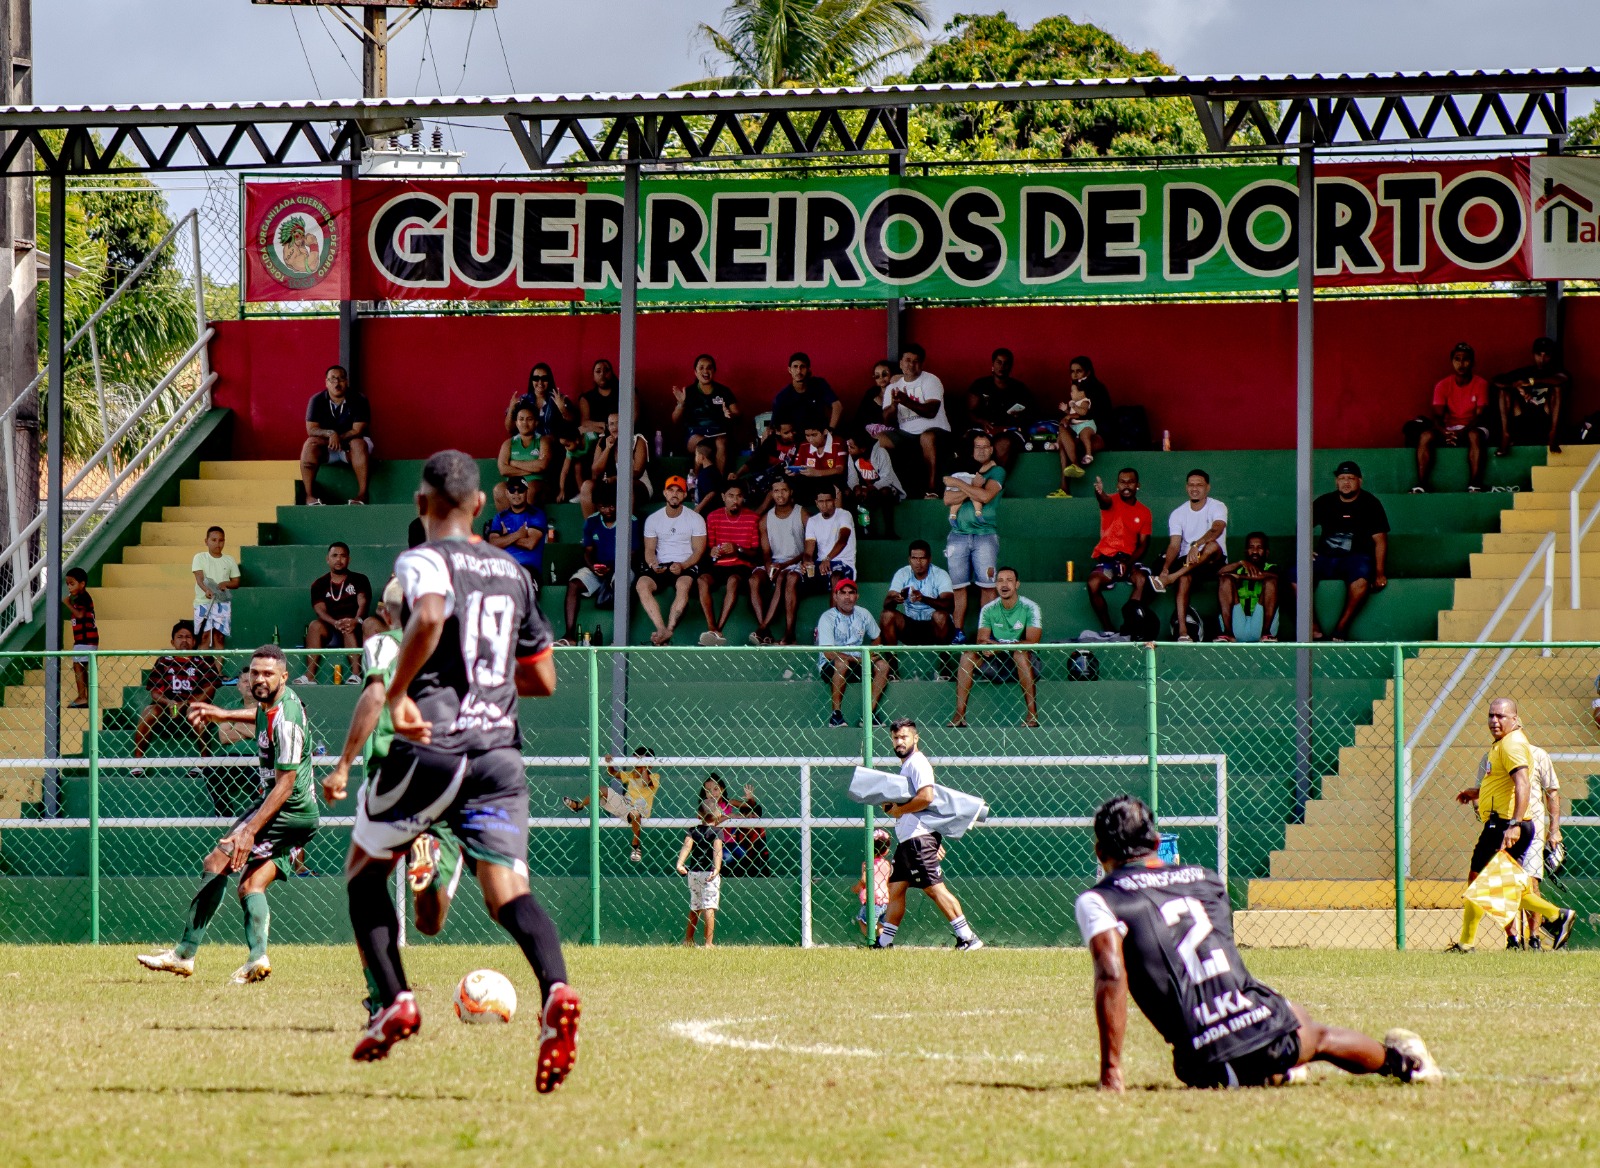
[[830, 541], [1198, 547], [917, 849], [914, 405], [674, 544]]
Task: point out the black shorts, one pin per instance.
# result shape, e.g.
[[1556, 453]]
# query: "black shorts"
[[481, 798], [720, 574], [916, 862], [665, 581], [1489, 842], [921, 632], [1255, 1068], [333, 635]]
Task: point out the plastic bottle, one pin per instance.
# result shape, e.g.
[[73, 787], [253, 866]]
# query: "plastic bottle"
[[1069, 571], [1166, 440], [659, 444], [584, 639], [864, 519], [551, 536], [338, 674], [275, 634]]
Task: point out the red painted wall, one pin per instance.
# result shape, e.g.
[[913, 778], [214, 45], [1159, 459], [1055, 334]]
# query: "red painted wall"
[[1219, 376]]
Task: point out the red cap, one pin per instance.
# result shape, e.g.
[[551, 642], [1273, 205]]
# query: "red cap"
[[844, 582]]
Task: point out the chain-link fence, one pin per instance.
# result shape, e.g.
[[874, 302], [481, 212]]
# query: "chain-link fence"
[[1305, 775]]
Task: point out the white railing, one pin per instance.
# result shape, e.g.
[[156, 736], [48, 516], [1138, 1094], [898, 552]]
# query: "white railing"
[[1575, 530], [806, 823], [1544, 602], [29, 578]]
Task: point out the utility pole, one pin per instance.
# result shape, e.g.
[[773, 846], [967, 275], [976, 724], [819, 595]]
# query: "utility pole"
[[374, 31], [19, 320]]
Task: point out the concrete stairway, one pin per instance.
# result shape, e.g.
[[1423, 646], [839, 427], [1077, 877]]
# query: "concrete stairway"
[[1332, 883]]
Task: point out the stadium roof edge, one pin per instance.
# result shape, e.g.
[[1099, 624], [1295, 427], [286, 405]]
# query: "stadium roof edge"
[[594, 105]]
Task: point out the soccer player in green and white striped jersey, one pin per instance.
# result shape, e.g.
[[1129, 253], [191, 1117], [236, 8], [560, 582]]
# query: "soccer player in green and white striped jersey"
[[258, 845]]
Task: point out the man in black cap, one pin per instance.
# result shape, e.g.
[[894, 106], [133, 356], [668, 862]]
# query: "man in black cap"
[[1353, 546]]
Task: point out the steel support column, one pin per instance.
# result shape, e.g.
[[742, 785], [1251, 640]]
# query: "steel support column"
[[1304, 400], [1552, 293], [52, 523], [895, 304], [627, 396]]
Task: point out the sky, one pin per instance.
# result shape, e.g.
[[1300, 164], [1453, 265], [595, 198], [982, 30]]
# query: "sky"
[[93, 51]]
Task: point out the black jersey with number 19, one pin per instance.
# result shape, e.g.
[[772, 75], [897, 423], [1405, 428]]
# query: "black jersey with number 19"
[[467, 688], [1183, 970]]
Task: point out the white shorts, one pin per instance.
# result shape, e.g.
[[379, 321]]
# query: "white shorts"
[[343, 456], [618, 805], [213, 616], [705, 891], [1533, 858]]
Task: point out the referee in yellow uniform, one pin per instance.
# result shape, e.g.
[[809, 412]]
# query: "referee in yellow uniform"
[[1502, 799]]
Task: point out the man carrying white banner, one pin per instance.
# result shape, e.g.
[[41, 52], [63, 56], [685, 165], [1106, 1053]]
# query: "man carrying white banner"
[[917, 849]]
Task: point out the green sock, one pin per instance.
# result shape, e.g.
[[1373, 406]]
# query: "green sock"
[[256, 922], [201, 909], [373, 992]]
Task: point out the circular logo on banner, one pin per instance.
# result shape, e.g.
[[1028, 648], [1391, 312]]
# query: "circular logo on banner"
[[298, 241]]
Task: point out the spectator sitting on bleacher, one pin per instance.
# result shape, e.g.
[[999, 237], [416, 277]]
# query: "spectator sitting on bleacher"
[[1460, 417], [707, 408], [1529, 400], [733, 545], [1198, 545], [783, 550], [843, 626], [870, 481], [869, 410], [600, 402], [342, 602], [549, 404], [772, 460], [914, 407], [595, 579], [1000, 406], [574, 462], [1247, 595], [819, 461], [923, 590], [705, 480], [1125, 529], [830, 542], [520, 529], [973, 547], [806, 397], [338, 429], [674, 545], [526, 454], [176, 680], [1087, 408], [1009, 619], [1353, 546], [605, 469]]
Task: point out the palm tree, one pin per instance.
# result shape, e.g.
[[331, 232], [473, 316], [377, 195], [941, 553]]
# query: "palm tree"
[[770, 44]]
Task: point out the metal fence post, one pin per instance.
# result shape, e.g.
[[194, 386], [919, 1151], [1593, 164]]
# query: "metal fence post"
[[94, 798], [1399, 797], [594, 795], [868, 810], [1152, 743], [805, 857]]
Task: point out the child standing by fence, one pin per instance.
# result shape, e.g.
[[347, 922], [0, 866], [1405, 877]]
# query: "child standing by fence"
[[700, 859], [881, 867], [215, 576], [85, 633]]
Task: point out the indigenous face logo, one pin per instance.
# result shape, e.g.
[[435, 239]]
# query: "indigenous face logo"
[[298, 241]]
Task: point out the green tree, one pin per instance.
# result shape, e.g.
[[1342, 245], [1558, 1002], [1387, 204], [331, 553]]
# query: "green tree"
[[774, 43], [995, 48]]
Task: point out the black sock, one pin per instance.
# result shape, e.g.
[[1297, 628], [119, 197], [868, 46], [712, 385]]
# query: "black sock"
[[1396, 1065], [531, 927], [377, 930]]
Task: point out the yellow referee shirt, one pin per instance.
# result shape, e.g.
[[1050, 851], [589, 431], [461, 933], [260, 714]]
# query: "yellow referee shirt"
[[1497, 794]]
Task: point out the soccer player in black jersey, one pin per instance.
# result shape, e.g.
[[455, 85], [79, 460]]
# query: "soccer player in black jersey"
[[1165, 934], [474, 641]]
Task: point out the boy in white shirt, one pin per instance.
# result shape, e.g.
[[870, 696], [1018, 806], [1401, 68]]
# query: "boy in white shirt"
[[216, 575], [830, 541], [1198, 544]]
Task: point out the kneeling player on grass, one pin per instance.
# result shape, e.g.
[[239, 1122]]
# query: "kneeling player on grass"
[[474, 641], [434, 869], [1166, 935], [259, 846]]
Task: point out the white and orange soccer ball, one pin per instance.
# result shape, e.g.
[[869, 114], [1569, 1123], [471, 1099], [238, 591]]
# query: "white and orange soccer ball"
[[486, 996]]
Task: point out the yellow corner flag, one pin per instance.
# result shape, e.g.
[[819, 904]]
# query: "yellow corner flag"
[[1499, 889]]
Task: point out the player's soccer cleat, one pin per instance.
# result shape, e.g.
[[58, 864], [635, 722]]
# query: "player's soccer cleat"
[[1297, 1076], [168, 961], [258, 970], [558, 1040], [1416, 1064], [424, 862], [1514, 942], [1458, 947], [399, 1020], [1560, 929], [969, 945]]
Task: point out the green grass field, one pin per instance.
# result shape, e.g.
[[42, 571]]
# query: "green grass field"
[[768, 1056]]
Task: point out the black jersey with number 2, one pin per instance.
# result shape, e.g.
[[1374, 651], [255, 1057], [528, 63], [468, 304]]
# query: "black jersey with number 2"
[[468, 688], [1183, 970]]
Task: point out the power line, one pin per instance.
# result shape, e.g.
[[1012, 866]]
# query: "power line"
[[471, 28], [495, 13], [295, 19], [322, 21], [427, 41]]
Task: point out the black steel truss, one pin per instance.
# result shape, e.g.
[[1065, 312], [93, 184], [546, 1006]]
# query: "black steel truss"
[[244, 145], [1393, 118]]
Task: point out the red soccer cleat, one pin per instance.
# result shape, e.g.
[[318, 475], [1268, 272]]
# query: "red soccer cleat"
[[558, 1041], [399, 1020]]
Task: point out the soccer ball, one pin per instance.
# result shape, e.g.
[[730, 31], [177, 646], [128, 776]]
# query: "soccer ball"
[[485, 996]]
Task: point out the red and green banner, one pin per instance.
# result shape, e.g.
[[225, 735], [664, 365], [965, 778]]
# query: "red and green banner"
[[999, 236]]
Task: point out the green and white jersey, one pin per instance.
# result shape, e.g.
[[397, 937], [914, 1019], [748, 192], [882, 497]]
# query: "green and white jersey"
[[284, 742], [378, 657], [1006, 625]]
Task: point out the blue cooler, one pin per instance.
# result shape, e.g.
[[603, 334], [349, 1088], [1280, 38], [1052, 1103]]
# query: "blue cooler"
[[1168, 851]]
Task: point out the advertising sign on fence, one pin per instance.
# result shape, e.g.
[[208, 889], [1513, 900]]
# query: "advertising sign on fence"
[[992, 236]]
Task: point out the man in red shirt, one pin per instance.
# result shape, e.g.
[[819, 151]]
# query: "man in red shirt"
[[821, 460], [1125, 526], [733, 545], [1460, 405]]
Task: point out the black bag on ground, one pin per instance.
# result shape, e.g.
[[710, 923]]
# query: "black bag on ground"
[[1139, 621], [1083, 666], [1194, 626]]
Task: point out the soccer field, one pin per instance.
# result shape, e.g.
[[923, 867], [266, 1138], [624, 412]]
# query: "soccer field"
[[769, 1056]]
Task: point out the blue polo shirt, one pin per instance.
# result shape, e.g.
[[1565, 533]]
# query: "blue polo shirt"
[[507, 522], [602, 540]]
